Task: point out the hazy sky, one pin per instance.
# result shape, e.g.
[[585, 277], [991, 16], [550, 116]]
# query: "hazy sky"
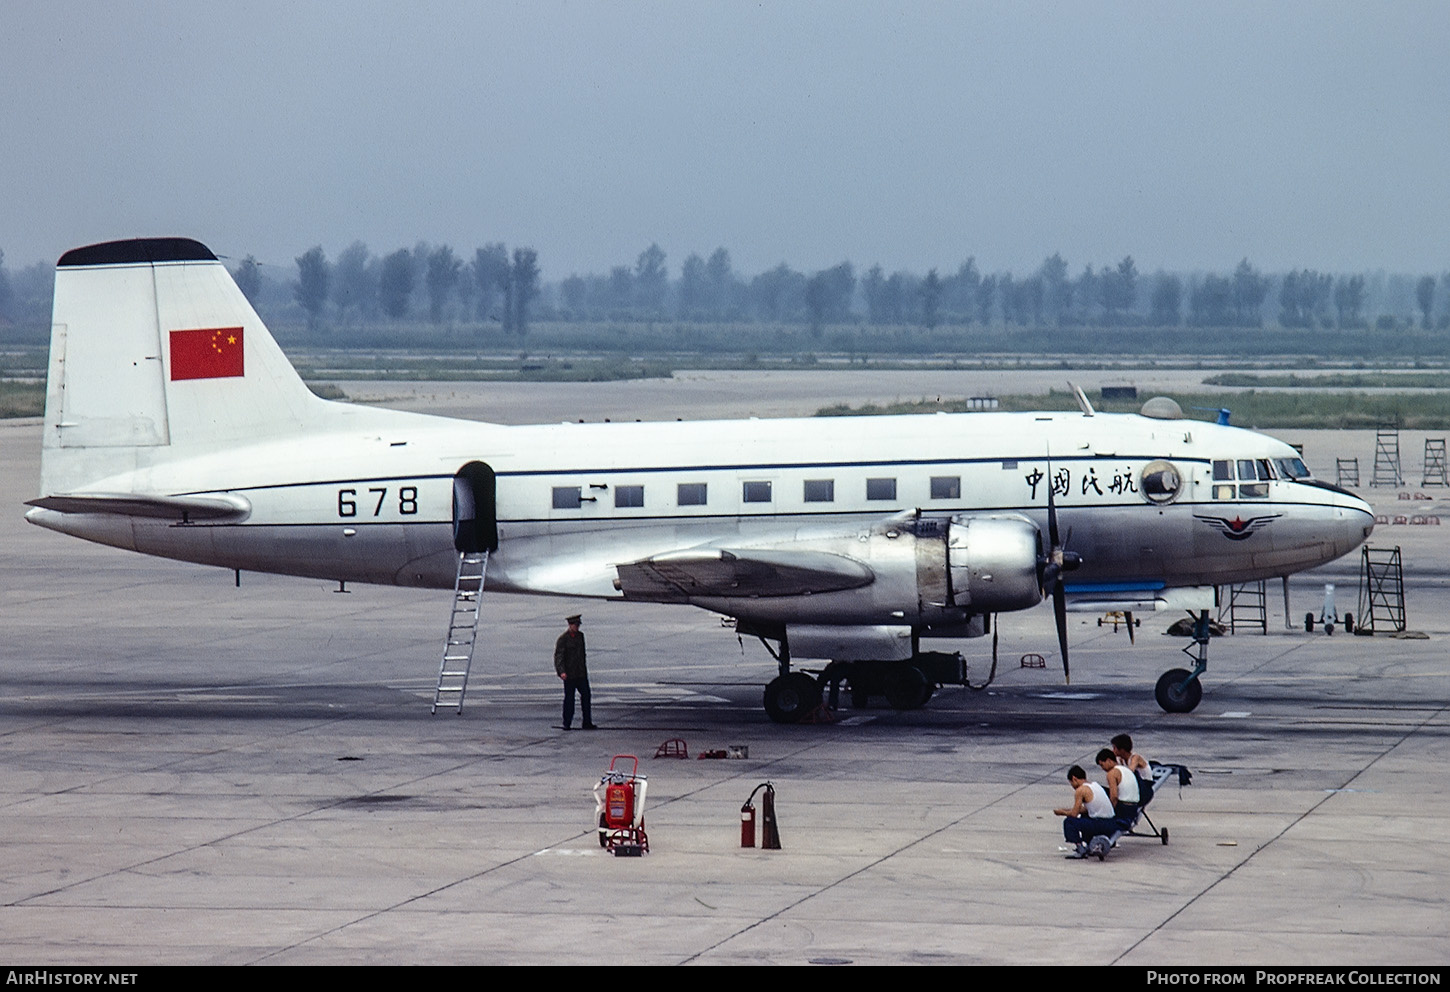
[[911, 134]]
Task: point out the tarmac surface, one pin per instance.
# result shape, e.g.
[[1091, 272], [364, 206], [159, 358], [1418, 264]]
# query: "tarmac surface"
[[192, 772]]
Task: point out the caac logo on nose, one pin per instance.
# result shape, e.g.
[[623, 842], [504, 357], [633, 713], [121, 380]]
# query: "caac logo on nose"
[[1238, 529]]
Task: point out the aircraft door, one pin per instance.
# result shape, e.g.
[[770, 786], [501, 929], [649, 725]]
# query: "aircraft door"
[[475, 511]]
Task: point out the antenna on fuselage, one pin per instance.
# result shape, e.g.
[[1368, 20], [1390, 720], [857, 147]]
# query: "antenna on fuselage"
[[1082, 401], [1222, 411]]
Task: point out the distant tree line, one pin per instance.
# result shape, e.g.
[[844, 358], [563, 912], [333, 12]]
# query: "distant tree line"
[[506, 291], [499, 291]]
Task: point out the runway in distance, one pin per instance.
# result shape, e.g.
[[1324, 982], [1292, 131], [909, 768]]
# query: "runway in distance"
[[175, 426]]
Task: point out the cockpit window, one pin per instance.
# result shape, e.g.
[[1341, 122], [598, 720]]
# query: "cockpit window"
[[1291, 468], [1223, 471]]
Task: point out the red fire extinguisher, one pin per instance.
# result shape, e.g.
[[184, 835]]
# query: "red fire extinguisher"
[[771, 839], [619, 804]]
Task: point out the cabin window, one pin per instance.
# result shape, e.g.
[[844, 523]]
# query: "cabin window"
[[690, 494], [629, 496], [755, 492], [820, 491], [880, 488], [946, 487], [567, 497]]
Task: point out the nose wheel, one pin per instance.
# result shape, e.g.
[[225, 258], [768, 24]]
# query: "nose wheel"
[[1178, 689]]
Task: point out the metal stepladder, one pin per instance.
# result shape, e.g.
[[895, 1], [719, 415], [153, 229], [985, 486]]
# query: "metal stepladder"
[[1245, 607], [1436, 473], [1387, 457], [1381, 590], [462, 631]]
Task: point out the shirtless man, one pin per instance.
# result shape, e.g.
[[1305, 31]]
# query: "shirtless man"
[[1089, 816]]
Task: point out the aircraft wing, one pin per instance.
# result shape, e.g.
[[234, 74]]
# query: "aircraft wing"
[[678, 576], [180, 508]]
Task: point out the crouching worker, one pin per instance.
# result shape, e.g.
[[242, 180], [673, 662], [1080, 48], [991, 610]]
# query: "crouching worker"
[[1091, 814]]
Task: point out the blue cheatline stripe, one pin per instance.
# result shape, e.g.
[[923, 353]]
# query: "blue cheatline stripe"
[[1142, 586]]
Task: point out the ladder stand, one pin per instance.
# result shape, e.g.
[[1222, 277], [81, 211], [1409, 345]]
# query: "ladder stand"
[[1381, 590], [1246, 606]]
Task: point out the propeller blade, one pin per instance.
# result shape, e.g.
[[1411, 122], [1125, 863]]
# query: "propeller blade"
[[1052, 534], [1059, 612], [1129, 616]]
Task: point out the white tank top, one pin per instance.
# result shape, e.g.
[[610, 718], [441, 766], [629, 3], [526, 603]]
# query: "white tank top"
[[1099, 807], [1127, 785]]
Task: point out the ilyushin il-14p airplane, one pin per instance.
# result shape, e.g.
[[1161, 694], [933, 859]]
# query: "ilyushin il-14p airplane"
[[175, 426]]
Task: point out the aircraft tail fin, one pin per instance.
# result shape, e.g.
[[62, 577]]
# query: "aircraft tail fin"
[[153, 345]]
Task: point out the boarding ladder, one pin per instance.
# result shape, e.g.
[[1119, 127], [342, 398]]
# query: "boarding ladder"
[[1381, 590], [1346, 472], [462, 631], [1245, 606]]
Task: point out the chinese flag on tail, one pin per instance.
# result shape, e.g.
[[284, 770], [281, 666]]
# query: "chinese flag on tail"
[[208, 353]]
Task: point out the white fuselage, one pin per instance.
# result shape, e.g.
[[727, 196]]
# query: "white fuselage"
[[373, 502]]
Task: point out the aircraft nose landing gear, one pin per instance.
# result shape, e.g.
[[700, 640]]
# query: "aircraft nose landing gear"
[[1178, 690]]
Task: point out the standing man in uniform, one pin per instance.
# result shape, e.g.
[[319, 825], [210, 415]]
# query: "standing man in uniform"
[[570, 666]]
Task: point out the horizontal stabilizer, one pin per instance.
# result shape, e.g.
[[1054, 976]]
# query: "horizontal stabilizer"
[[679, 576], [183, 508]]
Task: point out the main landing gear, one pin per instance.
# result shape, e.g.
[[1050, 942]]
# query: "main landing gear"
[[907, 685], [790, 697], [1178, 690]]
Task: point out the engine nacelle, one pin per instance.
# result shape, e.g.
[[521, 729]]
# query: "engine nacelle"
[[992, 563], [927, 574]]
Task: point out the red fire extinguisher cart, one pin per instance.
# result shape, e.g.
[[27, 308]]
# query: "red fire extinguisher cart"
[[619, 808]]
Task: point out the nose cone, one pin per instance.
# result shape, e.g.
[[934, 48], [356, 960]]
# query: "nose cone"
[[1354, 522]]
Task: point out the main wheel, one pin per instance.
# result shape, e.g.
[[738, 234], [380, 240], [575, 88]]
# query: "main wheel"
[[788, 698], [1173, 695], [907, 688]]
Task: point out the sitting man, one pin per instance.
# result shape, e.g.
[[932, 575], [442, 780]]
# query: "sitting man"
[[1122, 746], [1122, 787], [1091, 814]]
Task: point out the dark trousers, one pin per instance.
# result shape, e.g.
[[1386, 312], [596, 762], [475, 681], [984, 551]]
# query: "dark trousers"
[[572, 686], [1080, 829]]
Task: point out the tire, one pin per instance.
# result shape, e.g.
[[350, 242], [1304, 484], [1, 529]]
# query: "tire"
[[1308, 623], [906, 688], [1165, 836], [788, 698], [1349, 623], [1173, 696], [603, 832]]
